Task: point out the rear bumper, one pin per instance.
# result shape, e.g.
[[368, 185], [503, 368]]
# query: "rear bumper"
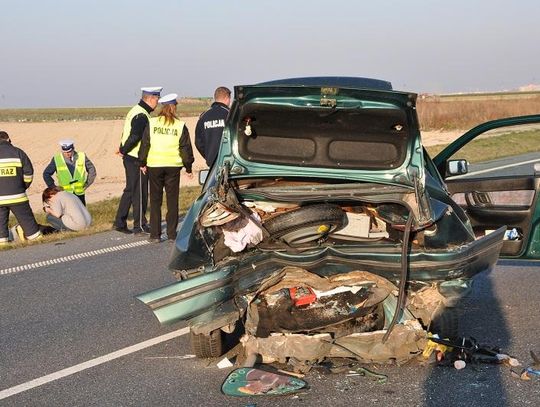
[[186, 299]]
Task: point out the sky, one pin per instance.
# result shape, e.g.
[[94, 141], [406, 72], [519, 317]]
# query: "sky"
[[73, 53]]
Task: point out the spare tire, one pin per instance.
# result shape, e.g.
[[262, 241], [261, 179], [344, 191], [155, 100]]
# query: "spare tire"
[[306, 224]]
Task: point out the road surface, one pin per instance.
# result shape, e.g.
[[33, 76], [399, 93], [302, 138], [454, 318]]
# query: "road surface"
[[72, 334]]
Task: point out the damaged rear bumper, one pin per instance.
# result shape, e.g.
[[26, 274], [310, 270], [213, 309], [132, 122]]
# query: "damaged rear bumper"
[[204, 294]]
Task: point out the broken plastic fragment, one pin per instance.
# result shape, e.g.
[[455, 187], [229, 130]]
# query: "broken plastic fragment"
[[460, 364], [224, 363], [256, 382]]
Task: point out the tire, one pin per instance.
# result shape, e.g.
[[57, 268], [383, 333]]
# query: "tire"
[[306, 224], [207, 346], [445, 323]]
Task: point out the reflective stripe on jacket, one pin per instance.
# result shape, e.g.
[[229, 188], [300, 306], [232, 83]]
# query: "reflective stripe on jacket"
[[164, 143], [135, 110], [71, 183], [16, 174]]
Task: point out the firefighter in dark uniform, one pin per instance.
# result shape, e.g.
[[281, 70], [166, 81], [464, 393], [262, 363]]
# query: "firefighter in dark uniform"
[[16, 174], [135, 194], [210, 125], [74, 170], [165, 149]]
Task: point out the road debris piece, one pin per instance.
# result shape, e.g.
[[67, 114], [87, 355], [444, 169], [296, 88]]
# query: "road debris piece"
[[532, 369], [256, 382], [224, 363], [460, 364], [362, 371]]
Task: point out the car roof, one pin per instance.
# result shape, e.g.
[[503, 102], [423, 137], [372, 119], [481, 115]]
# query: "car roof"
[[337, 81]]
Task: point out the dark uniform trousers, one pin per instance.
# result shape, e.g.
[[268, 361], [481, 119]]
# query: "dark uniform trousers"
[[168, 178], [23, 213], [135, 195]]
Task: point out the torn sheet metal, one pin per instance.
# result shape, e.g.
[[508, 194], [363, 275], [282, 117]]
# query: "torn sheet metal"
[[345, 320]]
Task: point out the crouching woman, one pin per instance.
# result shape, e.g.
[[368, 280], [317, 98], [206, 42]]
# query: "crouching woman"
[[64, 210]]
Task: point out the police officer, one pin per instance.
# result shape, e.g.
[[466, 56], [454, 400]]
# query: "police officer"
[[165, 149], [74, 170], [16, 174], [210, 125], [135, 193]]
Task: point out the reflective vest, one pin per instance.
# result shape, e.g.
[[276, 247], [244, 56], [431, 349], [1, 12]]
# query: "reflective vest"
[[164, 143], [135, 110], [71, 183]]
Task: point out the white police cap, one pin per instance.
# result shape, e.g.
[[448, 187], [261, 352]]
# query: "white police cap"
[[67, 145], [152, 90], [168, 99]]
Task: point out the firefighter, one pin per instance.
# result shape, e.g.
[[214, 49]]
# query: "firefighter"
[[74, 170], [165, 149], [135, 193], [16, 174]]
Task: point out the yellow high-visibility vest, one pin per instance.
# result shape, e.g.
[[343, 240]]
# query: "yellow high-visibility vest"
[[71, 183], [164, 143], [135, 110]]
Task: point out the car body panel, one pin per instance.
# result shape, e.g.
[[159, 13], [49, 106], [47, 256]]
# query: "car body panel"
[[494, 201]]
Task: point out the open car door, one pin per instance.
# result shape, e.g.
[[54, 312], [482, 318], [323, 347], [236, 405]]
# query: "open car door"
[[493, 173]]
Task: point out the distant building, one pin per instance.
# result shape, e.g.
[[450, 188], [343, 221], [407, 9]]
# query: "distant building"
[[529, 88]]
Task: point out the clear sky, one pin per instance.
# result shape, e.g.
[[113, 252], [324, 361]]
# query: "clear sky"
[[99, 53]]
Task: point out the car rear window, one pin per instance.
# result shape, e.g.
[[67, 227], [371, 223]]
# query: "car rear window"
[[374, 138]]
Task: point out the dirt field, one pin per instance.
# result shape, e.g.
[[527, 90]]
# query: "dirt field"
[[99, 140]]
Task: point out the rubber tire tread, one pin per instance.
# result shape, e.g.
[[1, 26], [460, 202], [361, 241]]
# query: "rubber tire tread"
[[207, 346], [305, 216]]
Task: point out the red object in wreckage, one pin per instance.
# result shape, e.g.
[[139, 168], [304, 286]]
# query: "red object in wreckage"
[[302, 296]]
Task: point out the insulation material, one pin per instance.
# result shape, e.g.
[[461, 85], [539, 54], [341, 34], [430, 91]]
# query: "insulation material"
[[425, 302], [405, 342]]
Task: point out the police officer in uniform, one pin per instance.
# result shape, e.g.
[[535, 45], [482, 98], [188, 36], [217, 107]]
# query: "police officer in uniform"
[[74, 170], [135, 193], [16, 174], [210, 125], [165, 149]]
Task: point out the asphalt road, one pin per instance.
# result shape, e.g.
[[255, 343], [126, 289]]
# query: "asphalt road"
[[522, 165], [60, 315]]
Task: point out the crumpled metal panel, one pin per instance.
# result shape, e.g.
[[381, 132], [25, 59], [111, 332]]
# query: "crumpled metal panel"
[[404, 343]]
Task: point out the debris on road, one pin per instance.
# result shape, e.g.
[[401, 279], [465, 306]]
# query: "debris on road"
[[533, 368], [224, 363], [362, 371], [256, 382]]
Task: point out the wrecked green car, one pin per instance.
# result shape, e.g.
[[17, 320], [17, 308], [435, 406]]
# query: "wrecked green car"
[[325, 229]]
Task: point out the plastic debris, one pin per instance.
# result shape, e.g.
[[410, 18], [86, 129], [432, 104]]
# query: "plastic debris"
[[511, 234], [224, 363], [532, 369], [460, 364], [256, 382], [437, 347]]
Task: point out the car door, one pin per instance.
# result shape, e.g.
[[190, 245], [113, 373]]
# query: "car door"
[[493, 173]]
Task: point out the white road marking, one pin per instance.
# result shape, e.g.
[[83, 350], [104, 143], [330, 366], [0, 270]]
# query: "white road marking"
[[90, 363], [65, 259]]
